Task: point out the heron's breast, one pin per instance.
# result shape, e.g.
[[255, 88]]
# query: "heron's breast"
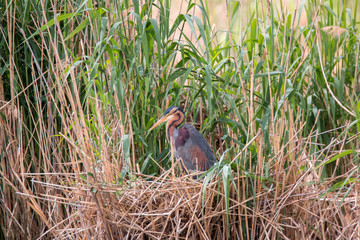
[[183, 136]]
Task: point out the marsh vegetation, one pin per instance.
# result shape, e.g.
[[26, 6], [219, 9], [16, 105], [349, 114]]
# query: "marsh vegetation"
[[276, 95]]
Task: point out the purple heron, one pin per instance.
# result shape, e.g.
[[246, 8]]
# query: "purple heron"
[[188, 144]]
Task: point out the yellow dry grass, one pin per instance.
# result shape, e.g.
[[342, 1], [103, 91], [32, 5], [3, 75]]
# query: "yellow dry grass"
[[169, 207]]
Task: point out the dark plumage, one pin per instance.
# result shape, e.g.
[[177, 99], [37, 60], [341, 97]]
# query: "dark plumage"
[[188, 143]]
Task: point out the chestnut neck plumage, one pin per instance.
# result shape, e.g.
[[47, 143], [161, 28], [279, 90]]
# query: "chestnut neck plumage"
[[174, 121]]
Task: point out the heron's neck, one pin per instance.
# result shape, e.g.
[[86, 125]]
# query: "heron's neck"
[[172, 124], [171, 132]]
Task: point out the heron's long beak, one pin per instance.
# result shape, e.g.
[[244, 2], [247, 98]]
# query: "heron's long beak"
[[161, 120]]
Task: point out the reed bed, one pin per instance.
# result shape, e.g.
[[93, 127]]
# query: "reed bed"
[[276, 94], [183, 208]]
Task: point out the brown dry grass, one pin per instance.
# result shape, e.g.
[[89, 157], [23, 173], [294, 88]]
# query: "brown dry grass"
[[172, 207]]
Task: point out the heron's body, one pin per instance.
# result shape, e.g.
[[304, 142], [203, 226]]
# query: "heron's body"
[[188, 144]]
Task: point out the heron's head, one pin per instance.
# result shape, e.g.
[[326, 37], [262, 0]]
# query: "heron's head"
[[174, 116]]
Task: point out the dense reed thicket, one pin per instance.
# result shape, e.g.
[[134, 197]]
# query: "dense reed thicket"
[[277, 96]]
